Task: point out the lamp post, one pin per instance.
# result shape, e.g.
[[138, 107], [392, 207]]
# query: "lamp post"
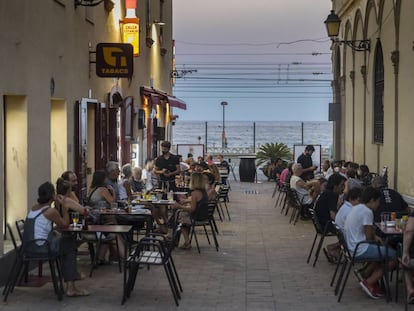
[[333, 23], [223, 134]]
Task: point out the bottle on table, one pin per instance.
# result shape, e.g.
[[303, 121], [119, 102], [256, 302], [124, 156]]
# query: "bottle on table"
[[170, 196], [85, 219]]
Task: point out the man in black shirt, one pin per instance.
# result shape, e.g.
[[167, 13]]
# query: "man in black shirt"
[[167, 166], [327, 206], [390, 201], [306, 160]]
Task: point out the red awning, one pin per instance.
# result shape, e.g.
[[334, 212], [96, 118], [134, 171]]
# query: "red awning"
[[155, 99], [157, 95], [175, 102]]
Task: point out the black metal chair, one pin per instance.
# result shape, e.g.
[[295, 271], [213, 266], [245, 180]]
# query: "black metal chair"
[[204, 218], [223, 198], [281, 197], [348, 259], [31, 251], [17, 249], [212, 207], [320, 232], [153, 251]]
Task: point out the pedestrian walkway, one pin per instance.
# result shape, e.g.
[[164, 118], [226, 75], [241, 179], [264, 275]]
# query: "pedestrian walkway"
[[261, 265]]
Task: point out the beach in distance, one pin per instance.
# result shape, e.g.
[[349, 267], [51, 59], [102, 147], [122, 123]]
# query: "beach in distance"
[[246, 134]]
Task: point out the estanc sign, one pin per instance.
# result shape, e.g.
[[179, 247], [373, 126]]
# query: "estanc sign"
[[114, 60]]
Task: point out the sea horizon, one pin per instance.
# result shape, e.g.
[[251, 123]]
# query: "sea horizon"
[[253, 134]]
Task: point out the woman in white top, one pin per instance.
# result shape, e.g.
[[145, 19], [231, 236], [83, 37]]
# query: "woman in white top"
[[65, 245]]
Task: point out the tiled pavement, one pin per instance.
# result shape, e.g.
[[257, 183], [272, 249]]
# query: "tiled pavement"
[[261, 265]]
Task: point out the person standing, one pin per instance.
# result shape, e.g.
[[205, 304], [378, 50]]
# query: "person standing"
[[307, 165], [167, 166]]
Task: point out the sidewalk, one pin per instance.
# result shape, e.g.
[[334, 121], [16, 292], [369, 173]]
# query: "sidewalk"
[[261, 265]]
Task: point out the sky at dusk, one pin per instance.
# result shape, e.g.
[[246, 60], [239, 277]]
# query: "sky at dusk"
[[269, 59]]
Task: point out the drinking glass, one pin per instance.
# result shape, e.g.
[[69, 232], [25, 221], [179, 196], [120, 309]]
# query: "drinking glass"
[[384, 218], [75, 219]]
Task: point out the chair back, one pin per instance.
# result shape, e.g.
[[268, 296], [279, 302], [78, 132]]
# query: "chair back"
[[293, 198], [315, 219], [11, 234], [223, 192], [212, 205], [20, 228], [342, 243], [201, 212]]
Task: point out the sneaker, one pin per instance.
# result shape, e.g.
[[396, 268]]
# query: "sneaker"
[[368, 289], [378, 291]]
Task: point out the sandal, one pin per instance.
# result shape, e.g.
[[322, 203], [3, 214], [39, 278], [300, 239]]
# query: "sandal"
[[185, 246], [330, 258], [78, 293]]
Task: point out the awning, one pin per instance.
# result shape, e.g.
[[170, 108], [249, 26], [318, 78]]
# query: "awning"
[[156, 96], [175, 102], [155, 99]]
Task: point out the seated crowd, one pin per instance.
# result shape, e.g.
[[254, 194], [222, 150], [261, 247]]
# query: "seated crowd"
[[107, 188], [354, 199]]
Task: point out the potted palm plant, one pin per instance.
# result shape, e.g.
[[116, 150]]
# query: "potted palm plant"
[[268, 153]]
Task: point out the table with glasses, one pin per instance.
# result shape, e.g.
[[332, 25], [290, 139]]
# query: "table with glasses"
[[100, 231]]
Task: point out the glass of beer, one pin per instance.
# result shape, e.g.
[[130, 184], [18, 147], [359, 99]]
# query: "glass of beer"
[[75, 219]]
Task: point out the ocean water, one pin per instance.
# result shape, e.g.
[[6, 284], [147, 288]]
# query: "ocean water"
[[245, 134]]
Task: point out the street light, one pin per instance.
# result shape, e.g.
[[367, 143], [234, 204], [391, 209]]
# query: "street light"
[[332, 23], [223, 134]]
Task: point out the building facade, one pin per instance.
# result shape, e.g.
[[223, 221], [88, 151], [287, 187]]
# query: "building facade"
[[57, 114], [374, 88]]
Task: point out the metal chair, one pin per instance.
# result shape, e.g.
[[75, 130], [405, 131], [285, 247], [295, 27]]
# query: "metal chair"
[[204, 218], [348, 259], [320, 232], [152, 251], [17, 249], [31, 251], [223, 198]]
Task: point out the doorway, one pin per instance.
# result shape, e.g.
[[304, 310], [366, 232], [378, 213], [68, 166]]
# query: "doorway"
[[15, 172]]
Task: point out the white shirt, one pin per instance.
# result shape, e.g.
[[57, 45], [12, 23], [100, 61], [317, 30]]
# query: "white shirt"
[[359, 217], [122, 190], [342, 214], [303, 193], [42, 226]]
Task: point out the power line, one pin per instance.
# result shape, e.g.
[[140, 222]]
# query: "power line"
[[278, 44], [251, 54]]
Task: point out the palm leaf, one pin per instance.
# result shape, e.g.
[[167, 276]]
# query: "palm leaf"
[[270, 151]]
